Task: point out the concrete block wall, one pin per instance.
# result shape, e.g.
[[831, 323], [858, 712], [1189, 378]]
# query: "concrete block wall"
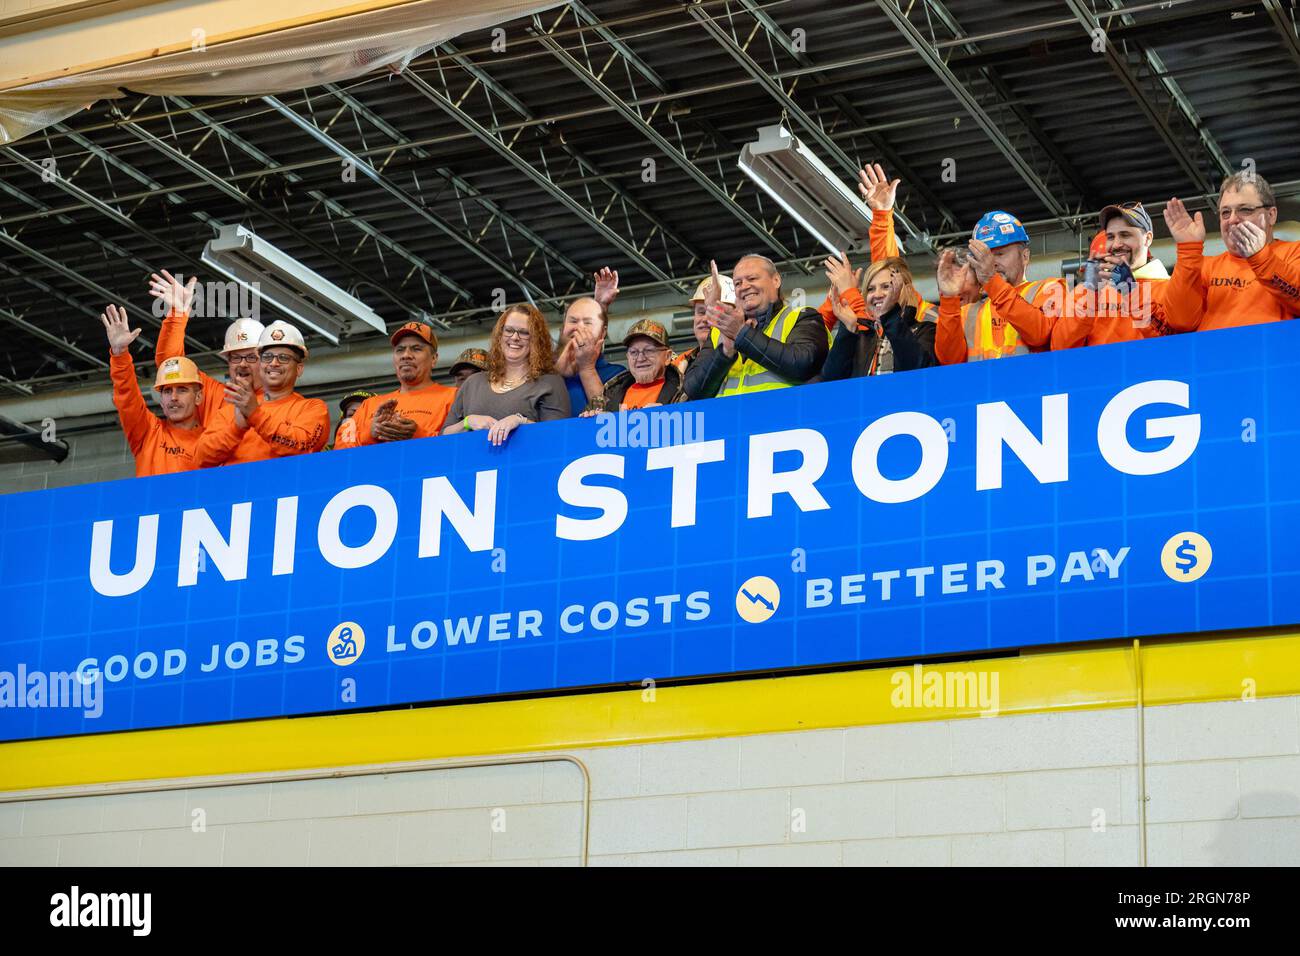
[[1044, 789], [93, 456]]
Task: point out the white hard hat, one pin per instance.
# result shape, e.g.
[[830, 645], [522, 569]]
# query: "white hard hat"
[[280, 332], [242, 334], [728, 295]]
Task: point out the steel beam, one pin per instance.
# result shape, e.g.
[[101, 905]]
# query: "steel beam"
[[1180, 146], [485, 136], [1285, 27], [932, 58]]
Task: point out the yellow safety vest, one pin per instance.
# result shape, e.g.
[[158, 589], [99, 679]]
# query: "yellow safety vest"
[[749, 376], [982, 346]]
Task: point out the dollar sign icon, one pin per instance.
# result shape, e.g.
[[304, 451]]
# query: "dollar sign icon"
[[1186, 557]]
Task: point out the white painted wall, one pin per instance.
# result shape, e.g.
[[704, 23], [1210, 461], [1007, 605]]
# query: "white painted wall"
[[1223, 779]]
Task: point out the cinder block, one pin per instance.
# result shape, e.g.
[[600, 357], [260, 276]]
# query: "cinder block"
[[896, 751], [1059, 799], [1241, 843], [1114, 846], [613, 772], [447, 836], [353, 841], [30, 851], [807, 854], [499, 786], [950, 805], [1192, 791], [11, 820], [792, 760], [1270, 787], [846, 811], [62, 816], [539, 832], [692, 766], [100, 849], [747, 818], [638, 825], [313, 799], [182, 847], [1264, 727], [1057, 741], [1164, 844], [271, 843], [1029, 848], [719, 856], [413, 791], [161, 809], [914, 851], [246, 803]]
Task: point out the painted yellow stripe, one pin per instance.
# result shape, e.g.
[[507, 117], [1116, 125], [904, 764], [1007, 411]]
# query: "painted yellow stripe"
[[1174, 671]]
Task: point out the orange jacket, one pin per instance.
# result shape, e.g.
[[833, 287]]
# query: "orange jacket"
[[292, 425], [159, 447], [1032, 320], [171, 341], [426, 406], [1229, 291], [884, 245], [1109, 315]]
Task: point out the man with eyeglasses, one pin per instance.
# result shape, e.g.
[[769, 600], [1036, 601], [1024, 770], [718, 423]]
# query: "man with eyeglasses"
[[279, 423], [239, 350], [418, 408], [1256, 280], [650, 379]]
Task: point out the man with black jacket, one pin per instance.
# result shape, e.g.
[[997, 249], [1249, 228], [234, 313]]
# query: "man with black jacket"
[[760, 344]]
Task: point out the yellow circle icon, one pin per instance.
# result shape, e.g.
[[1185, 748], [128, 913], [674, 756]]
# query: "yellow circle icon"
[[345, 643], [757, 599], [1186, 557]]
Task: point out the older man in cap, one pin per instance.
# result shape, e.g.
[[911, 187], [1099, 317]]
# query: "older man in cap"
[[419, 406], [469, 362], [650, 378], [160, 446]]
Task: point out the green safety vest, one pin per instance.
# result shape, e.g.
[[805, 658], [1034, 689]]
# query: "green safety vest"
[[749, 376]]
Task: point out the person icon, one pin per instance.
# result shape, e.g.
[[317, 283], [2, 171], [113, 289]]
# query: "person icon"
[[345, 647]]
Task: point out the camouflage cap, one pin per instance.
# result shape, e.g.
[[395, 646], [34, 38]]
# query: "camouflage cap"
[[360, 395], [650, 329], [478, 358]]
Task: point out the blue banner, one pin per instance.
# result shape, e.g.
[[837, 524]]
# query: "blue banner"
[[1108, 492]]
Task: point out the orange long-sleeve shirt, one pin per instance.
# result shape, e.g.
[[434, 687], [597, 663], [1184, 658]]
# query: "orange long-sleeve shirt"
[[884, 245], [171, 341], [427, 407], [1109, 315], [292, 425], [1033, 319], [1232, 291], [159, 447]]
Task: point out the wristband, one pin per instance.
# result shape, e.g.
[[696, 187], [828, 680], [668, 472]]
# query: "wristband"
[[464, 423]]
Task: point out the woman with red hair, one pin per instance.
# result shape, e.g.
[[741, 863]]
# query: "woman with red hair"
[[520, 385]]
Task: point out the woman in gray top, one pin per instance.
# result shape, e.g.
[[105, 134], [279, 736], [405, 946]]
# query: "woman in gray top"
[[519, 386]]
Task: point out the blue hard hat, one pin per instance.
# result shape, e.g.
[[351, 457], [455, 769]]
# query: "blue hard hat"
[[999, 228]]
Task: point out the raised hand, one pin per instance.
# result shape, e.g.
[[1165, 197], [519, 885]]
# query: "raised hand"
[[841, 274], [118, 328], [981, 260], [950, 276], [168, 288], [1182, 226], [843, 311], [877, 190], [606, 286]]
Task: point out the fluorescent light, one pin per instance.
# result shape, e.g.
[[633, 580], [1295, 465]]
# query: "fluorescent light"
[[306, 298], [805, 187]]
